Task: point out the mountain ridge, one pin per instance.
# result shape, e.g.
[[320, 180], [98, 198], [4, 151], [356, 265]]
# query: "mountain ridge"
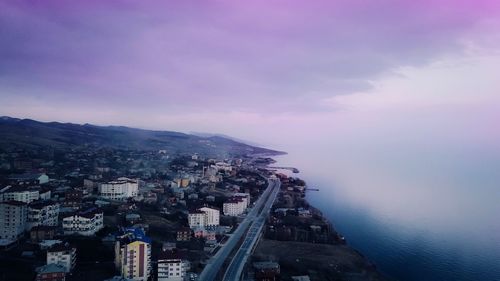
[[18, 133]]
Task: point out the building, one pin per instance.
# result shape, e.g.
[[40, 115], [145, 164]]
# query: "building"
[[13, 216], [245, 197], [184, 234], [196, 218], [234, 206], [120, 189], [64, 255], [133, 254], [19, 193], [267, 265], [222, 166], [266, 271], [73, 199], [171, 266], [168, 246], [51, 272], [85, 223], [201, 232], [182, 182], [45, 193], [212, 216], [42, 232], [30, 178], [204, 217], [42, 213]]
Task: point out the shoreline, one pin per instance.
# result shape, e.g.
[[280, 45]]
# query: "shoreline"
[[327, 246]]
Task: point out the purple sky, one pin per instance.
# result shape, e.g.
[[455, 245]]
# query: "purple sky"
[[217, 65]]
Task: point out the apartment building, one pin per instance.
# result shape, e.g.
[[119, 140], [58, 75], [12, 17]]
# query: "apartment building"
[[244, 196], [64, 255], [42, 213], [13, 216], [204, 217], [234, 206], [85, 223], [196, 218], [171, 266], [212, 216], [19, 193], [133, 255], [120, 189], [184, 234]]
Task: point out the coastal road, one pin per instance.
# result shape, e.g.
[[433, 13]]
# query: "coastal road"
[[233, 272], [215, 263]]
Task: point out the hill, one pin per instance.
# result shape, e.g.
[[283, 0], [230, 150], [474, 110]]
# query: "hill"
[[29, 134]]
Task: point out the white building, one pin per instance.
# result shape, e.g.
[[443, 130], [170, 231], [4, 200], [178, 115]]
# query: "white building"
[[222, 166], [196, 218], [42, 213], [244, 196], [204, 217], [63, 255], [234, 206], [120, 189], [13, 215], [212, 216], [44, 194], [85, 223], [19, 193], [171, 267]]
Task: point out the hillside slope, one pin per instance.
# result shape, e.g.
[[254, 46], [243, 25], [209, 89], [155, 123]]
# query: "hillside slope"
[[26, 133]]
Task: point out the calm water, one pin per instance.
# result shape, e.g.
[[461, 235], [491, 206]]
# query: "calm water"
[[418, 217]]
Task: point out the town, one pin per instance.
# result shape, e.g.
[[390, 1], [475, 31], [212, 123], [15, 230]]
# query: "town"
[[119, 213], [99, 212]]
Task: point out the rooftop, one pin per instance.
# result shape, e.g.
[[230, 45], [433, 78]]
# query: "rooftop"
[[13, 203], [131, 234], [61, 248], [173, 254], [26, 176], [40, 204], [51, 268]]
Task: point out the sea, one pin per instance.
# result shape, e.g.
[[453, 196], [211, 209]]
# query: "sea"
[[417, 216]]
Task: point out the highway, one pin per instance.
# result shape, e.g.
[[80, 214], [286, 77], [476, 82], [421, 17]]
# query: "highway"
[[214, 264], [233, 272]]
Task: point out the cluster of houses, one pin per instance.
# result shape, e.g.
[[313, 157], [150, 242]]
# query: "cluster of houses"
[[27, 206], [132, 259], [47, 212]]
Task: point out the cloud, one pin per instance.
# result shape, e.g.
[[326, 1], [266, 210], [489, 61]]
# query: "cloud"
[[259, 56]]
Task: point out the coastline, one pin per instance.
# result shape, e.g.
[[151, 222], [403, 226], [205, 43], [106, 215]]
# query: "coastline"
[[320, 253]]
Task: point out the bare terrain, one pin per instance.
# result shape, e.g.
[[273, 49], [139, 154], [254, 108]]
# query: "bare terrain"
[[319, 261]]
